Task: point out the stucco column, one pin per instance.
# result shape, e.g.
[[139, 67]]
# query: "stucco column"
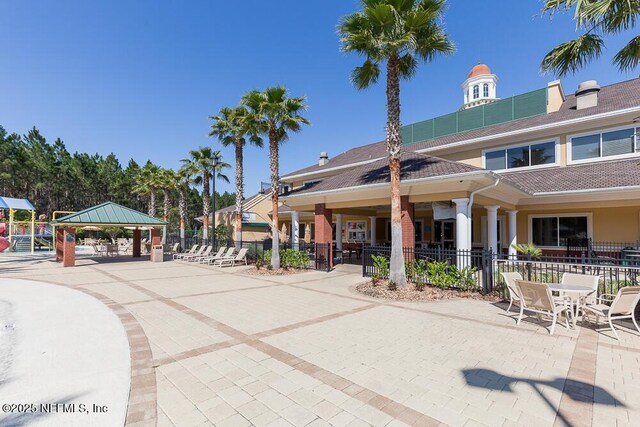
[[492, 228], [59, 244], [462, 230], [324, 233], [295, 229], [339, 232], [155, 239], [69, 248], [513, 234], [372, 220]]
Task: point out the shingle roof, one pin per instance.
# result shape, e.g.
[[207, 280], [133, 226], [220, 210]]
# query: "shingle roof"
[[588, 176], [413, 166], [614, 97], [246, 202], [109, 213]]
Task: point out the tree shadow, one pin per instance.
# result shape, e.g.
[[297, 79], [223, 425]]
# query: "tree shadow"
[[576, 390], [407, 168]]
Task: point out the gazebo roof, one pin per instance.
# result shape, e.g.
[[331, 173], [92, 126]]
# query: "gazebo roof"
[[17, 204], [109, 214]]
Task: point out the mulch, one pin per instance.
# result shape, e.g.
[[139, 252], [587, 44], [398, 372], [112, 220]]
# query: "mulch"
[[429, 293], [275, 272]]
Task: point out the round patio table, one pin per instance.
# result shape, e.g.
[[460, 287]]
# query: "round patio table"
[[573, 289]]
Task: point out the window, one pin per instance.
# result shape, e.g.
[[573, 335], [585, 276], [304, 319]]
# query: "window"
[[556, 230], [485, 90], [476, 92], [523, 156], [605, 144], [357, 230]]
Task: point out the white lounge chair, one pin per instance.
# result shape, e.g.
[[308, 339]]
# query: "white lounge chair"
[[202, 254], [623, 306], [191, 251], [588, 280], [218, 254], [241, 257], [510, 280], [536, 297], [229, 254]]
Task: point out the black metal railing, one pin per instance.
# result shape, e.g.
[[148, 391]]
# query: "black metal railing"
[[601, 249]]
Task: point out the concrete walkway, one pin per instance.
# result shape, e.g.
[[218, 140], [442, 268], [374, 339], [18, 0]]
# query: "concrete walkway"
[[65, 357], [215, 346]]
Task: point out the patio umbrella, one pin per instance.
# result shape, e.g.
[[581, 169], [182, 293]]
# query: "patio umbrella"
[[91, 228], [139, 228]]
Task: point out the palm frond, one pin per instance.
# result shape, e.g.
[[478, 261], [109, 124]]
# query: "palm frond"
[[573, 55], [629, 56], [364, 76]]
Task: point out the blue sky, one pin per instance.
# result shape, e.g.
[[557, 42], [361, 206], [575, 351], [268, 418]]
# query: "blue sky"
[[140, 78]]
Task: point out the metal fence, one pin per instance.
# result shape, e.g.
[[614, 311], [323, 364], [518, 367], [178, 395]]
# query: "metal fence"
[[477, 263], [604, 250]]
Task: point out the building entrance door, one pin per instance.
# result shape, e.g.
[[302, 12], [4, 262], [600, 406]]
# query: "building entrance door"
[[444, 233]]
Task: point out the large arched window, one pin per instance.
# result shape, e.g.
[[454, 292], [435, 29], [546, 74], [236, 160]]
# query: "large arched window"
[[485, 90], [476, 92]]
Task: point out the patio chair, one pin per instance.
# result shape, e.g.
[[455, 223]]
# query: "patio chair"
[[227, 255], [203, 254], [587, 280], [218, 254], [191, 251], [623, 305], [510, 280], [536, 297], [241, 257]]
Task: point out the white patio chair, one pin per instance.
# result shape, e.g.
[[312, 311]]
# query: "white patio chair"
[[241, 257], [227, 255], [536, 297], [218, 254], [204, 254], [510, 280], [588, 280], [191, 251], [623, 305]]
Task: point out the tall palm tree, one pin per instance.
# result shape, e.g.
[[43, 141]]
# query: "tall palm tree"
[[180, 181], [148, 180], [400, 33], [200, 166], [597, 18], [276, 115], [232, 126]]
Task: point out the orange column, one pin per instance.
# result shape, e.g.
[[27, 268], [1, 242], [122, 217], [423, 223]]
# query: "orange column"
[[69, 248], [137, 236]]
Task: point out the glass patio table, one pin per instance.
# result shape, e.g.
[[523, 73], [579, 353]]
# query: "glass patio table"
[[579, 291]]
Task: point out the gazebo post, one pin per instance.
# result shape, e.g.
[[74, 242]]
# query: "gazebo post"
[[59, 236], [33, 231], [137, 236], [155, 239]]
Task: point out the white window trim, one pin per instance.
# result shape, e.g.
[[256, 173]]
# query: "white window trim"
[[556, 142], [636, 144], [530, 218]]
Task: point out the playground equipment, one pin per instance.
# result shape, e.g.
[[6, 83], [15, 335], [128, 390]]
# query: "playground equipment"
[[21, 235]]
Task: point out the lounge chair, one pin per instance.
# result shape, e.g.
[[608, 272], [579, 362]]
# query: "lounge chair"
[[218, 254], [190, 252], [623, 305], [201, 254], [588, 280], [241, 257], [536, 297], [510, 280], [229, 254]]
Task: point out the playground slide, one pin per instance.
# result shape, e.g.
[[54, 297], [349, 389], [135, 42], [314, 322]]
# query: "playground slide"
[[4, 243]]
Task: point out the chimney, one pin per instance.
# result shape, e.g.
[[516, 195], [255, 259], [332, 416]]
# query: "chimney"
[[587, 94], [324, 158]]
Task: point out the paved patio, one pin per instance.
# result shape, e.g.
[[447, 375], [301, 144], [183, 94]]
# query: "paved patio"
[[219, 347]]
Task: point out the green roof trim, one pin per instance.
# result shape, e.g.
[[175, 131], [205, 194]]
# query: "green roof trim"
[[109, 214], [505, 110], [255, 224]]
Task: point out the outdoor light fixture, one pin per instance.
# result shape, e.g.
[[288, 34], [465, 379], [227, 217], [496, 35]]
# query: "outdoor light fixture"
[[214, 163]]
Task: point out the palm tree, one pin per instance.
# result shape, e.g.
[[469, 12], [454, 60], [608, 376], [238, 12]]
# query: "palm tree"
[[275, 115], [148, 180], [232, 126], [200, 166], [597, 18], [180, 181], [400, 33]]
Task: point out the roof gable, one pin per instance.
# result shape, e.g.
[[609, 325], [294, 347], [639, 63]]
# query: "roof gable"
[[109, 213]]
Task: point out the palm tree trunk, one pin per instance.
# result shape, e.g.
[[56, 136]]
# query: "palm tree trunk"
[[152, 202], [274, 159], [182, 207], [396, 265], [239, 189], [165, 212], [206, 207]]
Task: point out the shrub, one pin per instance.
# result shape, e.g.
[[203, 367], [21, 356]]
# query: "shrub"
[[527, 249], [289, 258], [381, 267], [440, 275], [419, 268], [259, 263], [465, 278]]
